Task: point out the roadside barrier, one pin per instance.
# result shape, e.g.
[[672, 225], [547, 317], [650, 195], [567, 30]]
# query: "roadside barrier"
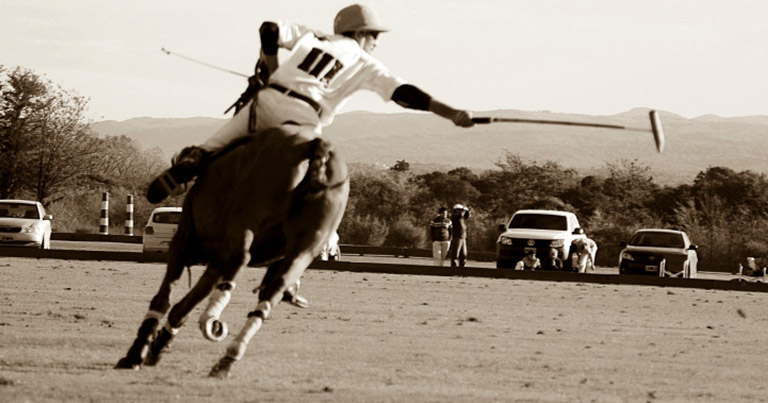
[[359, 250], [409, 269], [104, 216], [129, 216]]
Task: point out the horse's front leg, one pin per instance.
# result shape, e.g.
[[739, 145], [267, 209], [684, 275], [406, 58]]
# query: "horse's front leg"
[[213, 329], [158, 307], [272, 290]]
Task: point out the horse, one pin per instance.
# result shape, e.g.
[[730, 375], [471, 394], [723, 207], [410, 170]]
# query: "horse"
[[271, 201]]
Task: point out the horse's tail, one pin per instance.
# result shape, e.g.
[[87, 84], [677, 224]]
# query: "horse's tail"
[[326, 170], [317, 175]]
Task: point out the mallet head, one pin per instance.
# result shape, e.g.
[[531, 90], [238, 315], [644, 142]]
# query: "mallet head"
[[658, 131]]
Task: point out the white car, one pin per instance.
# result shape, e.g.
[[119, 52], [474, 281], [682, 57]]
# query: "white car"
[[160, 229], [24, 223], [545, 232]]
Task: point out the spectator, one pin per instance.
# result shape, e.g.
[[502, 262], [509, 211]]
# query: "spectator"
[[529, 262], [554, 262], [440, 232], [458, 250], [586, 249]]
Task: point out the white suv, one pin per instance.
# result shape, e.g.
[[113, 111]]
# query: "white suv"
[[542, 231], [160, 229]]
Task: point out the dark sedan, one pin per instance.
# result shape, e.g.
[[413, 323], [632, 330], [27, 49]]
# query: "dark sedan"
[[651, 249]]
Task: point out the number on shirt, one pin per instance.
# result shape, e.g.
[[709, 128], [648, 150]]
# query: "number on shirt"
[[324, 60]]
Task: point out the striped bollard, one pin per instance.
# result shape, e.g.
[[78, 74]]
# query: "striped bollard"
[[104, 218], [129, 216]]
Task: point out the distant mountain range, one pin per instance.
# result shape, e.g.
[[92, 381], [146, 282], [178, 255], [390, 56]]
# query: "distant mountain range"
[[428, 142]]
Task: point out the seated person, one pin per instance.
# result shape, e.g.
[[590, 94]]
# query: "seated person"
[[555, 262], [529, 262], [750, 269]]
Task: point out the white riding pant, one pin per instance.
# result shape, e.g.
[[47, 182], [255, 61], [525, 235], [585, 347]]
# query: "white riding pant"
[[440, 251], [273, 109]]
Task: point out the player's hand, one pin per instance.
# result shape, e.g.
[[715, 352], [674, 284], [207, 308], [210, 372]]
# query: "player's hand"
[[463, 119]]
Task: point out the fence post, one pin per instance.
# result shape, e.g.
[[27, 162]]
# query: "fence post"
[[129, 216], [104, 218]]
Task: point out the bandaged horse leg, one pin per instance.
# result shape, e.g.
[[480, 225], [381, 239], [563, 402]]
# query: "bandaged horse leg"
[[158, 307], [271, 292], [291, 295], [179, 314], [212, 328]]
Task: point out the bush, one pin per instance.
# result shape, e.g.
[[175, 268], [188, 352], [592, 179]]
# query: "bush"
[[404, 234], [367, 230]]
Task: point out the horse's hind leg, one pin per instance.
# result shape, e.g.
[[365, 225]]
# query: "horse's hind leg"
[[158, 307], [179, 314]]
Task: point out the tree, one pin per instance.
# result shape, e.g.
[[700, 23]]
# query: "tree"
[[519, 184], [401, 166], [45, 142], [20, 96]]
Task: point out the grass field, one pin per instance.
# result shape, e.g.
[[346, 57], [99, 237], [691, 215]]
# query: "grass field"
[[384, 338]]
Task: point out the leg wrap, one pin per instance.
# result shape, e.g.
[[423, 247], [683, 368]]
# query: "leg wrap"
[[152, 314], [212, 328], [236, 350], [218, 301]]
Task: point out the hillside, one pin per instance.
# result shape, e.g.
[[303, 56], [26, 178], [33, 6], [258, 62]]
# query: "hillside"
[[423, 139]]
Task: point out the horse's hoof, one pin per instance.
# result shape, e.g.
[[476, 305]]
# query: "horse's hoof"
[[214, 330], [127, 363], [299, 301], [151, 360], [222, 368]]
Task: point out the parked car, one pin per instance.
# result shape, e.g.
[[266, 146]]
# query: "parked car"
[[543, 231], [648, 247], [160, 229], [24, 223]]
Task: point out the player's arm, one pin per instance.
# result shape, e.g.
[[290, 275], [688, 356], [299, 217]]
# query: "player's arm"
[[411, 97], [269, 34]]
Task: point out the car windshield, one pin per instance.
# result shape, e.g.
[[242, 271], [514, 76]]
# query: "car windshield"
[[19, 210], [539, 221], [660, 239], [167, 217]]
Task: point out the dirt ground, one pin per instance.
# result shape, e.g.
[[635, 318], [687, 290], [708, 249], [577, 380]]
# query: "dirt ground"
[[385, 338]]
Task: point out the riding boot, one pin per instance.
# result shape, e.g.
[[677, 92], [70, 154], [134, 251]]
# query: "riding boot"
[[188, 164]]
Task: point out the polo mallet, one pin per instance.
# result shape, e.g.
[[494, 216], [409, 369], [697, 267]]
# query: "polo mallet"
[[213, 66], [656, 129]]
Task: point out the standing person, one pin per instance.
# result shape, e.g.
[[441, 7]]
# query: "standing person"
[[440, 231], [586, 249], [458, 250], [307, 90]]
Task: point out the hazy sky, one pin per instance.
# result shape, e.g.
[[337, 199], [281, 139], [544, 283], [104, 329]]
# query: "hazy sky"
[[598, 57]]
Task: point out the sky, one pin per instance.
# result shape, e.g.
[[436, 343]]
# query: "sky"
[[595, 57]]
